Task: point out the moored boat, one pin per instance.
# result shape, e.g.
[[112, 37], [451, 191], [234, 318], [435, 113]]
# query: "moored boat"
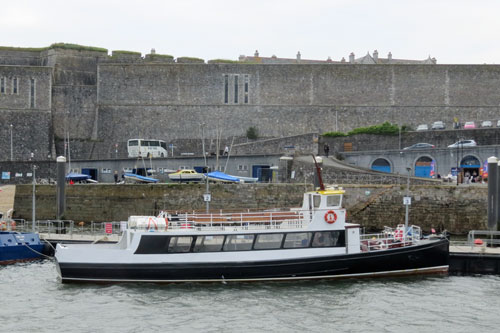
[[310, 242], [18, 246], [139, 179], [186, 175]]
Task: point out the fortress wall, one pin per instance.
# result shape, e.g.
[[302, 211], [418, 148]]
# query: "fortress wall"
[[292, 85], [102, 102], [73, 110], [21, 100], [31, 127], [20, 57], [74, 93]]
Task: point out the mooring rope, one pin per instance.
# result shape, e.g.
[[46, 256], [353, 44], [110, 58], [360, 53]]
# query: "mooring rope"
[[35, 251]]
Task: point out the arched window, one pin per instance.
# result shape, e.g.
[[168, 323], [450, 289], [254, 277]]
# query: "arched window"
[[381, 164], [470, 162]]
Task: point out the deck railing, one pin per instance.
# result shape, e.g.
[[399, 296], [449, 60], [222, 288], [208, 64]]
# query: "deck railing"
[[238, 221], [490, 238]]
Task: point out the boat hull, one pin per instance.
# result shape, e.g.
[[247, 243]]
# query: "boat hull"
[[430, 258], [16, 247]]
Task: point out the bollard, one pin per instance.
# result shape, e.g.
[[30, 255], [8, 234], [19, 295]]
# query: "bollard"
[[61, 186], [492, 193]]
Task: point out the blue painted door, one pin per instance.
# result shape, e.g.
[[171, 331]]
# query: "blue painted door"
[[423, 171], [259, 171]]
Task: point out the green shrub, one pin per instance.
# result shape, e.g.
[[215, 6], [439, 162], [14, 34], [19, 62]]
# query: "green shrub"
[[252, 133], [68, 46], [189, 60], [334, 134], [118, 52], [383, 129], [166, 56], [65, 46], [223, 61]]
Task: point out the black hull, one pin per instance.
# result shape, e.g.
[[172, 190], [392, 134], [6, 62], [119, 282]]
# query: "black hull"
[[426, 258]]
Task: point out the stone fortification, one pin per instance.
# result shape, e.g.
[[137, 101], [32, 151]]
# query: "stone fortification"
[[102, 100], [439, 138], [456, 209]]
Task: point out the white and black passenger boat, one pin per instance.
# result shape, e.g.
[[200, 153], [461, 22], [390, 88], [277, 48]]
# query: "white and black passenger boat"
[[310, 242]]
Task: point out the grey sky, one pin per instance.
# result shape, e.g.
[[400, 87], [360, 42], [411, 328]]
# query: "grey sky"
[[456, 32]]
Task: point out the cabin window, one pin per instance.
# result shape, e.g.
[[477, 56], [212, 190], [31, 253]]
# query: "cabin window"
[[268, 241], [328, 239], [316, 201], [181, 244], [152, 244], [297, 240], [333, 200], [238, 242], [133, 143], [208, 243]]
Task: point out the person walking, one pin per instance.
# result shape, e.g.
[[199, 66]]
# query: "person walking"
[[116, 176], [326, 148]]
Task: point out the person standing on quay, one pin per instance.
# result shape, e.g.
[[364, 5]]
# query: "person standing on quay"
[[326, 148]]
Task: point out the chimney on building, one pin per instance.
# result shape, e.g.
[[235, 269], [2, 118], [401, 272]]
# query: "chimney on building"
[[329, 59], [375, 55], [434, 60], [256, 54], [342, 60], [351, 58], [298, 56], [153, 51], [389, 56]]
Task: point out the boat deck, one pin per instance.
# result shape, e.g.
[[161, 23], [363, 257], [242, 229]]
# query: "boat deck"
[[455, 248]]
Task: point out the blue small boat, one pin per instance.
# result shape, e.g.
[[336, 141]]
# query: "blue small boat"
[[140, 179], [19, 246]]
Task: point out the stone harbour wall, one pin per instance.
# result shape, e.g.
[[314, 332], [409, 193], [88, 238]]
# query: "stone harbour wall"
[[456, 209]]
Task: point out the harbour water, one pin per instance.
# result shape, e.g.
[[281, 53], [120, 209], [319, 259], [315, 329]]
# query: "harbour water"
[[33, 300]]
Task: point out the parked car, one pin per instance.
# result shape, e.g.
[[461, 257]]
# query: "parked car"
[[469, 125], [438, 125], [463, 143], [422, 127], [419, 146], [486, 123]]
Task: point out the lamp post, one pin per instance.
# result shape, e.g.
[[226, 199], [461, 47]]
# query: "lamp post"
[[33, 211], [407, 202], [11, 143]]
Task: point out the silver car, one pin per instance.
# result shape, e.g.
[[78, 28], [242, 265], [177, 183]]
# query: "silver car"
[[486, 123], [438, 125], [463, 143], [422, 127]]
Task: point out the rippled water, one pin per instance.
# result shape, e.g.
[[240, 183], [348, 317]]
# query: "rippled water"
[[32, 293]]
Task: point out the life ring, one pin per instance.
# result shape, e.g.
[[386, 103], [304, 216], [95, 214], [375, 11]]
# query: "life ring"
[[399, 234], [330, 217], [3, 225]]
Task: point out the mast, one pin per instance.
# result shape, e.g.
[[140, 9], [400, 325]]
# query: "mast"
[[318, 170]]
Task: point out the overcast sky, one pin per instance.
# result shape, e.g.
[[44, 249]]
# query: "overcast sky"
[[452, 31]]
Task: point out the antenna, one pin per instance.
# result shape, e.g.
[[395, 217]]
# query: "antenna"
[[318, 169]]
